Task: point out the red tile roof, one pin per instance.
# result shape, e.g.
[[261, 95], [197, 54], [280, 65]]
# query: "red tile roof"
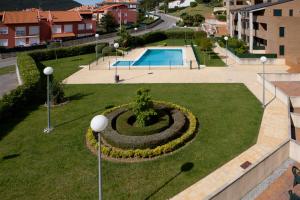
[[65, 16], [106, 7], [21, 17]]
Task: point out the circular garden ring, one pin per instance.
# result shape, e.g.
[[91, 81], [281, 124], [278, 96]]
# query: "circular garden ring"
[[115, 145]]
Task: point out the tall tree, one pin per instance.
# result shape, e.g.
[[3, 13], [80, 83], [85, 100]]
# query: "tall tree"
[[108, 23]]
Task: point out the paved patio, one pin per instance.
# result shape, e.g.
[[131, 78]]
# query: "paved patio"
[[291, 88], [278, 190], [274, 126]]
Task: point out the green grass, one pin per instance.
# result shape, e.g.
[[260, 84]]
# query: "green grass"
[[7, 70], [35, 166], [210, 59], [170, 42], [202, 9], [64, 67]]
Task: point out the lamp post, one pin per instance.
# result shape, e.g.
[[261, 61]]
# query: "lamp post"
[[263, 60], [185, 34], [135, 29], [116, 45], [48, 71], [226, 39], [97, 37], [98, 124]]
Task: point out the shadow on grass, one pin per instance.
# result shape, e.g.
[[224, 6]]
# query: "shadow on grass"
[[11, 156], [184, 168], [78, 96], [13, 118]]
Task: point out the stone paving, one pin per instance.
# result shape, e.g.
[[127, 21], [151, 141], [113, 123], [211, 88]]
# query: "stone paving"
[[274, 126], [278, 190]]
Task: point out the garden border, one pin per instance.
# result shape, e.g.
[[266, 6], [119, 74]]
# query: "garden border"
[[112, 153]]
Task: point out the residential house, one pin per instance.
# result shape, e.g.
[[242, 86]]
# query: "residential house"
[[272, 26], [33, 27]]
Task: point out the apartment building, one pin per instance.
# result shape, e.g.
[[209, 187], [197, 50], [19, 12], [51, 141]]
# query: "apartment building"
[[273, 26], [131, 4], [34, 27], [121, 13]]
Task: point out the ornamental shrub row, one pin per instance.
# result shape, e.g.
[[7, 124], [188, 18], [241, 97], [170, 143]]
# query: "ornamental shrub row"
[[147, 153], [124, 127], [33, 89]]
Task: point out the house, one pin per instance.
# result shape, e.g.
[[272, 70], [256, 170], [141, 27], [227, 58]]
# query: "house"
[[34, 27], [180, 3], [121, 13], [272, 26], [131, 4]]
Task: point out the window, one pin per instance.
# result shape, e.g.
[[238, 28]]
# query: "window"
[[56, 29], [281, 50], [81, 27], [291, 12], [281, 31], [277, 12], [21, 42], [3, 30], [34, 30], [68, 28], [20, 31], [89, 26], [4, 42], [34, 41]]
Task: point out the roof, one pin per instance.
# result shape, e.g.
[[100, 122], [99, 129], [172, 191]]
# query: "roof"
[[120, 2], [65, 16], [106, 7], [21, 17], [262, 5]]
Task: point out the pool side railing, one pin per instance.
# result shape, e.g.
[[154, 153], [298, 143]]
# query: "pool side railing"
[[196, 54]]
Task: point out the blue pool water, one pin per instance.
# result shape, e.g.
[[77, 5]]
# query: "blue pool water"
[[156, 57]]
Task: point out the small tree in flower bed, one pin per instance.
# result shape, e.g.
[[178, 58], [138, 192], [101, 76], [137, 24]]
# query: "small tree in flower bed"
[[143, 108]]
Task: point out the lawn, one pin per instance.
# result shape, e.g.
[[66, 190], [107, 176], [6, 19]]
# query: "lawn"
[[210, 59], [7, 70], [35, 166], [64, 67], [202, 9]]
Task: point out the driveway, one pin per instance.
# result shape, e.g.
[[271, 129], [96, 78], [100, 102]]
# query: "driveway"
[[7, 62], [8, 82]]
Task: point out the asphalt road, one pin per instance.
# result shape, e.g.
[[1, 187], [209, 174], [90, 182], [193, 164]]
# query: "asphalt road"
[[7, 62], [8, 82], [168, 22]]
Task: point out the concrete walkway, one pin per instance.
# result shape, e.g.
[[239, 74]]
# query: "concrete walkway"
[[274, 127]]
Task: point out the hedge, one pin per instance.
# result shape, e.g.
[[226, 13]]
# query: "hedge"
[[147, 153], [125, 124], [33, 89], [115, 139], [252, 55], [27, 93]]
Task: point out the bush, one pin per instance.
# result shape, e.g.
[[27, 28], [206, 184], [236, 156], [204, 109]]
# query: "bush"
[[143, 108], [28, 93], [63, 52], [117, 140], [58, 94], [221, 18], [101, 46], [125, 124], [148, 153], [193, 4], [180, 33], [106, 51], [154, 37]]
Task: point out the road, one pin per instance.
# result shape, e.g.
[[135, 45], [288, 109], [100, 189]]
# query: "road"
[[168, 22], [8, 82], [7, 62]]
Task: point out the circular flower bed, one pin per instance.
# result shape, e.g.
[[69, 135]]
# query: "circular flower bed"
[[181, 130]]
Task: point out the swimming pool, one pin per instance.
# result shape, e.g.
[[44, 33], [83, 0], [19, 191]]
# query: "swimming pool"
[[156, 57]]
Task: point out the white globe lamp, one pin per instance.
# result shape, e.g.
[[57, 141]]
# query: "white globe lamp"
[[263, 59], [99, 123], [48, 71]]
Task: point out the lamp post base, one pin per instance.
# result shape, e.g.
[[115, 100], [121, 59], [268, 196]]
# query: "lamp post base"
[[48, 130]]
